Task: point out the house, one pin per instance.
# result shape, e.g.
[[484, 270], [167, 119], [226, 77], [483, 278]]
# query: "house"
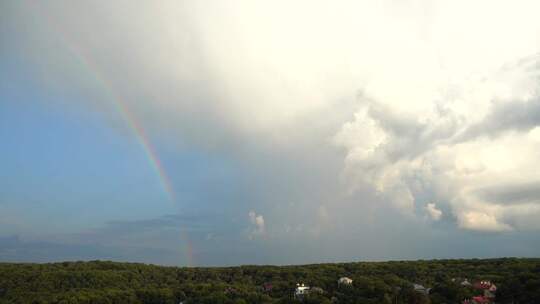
[[421, 289], [480, 300], [489, 288], [484, 285], [344, 281], [301, 290], [477, 300]]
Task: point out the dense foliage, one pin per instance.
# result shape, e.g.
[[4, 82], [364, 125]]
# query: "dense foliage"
[[518, 281]]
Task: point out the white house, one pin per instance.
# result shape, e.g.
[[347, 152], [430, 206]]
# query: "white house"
[[301, 290], [344, 281]]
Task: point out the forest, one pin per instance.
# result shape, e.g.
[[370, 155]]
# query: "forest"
[[517, 281]]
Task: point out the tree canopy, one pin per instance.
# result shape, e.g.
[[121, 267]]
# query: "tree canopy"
[[518, 281]]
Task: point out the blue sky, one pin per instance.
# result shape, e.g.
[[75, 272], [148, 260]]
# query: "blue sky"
[[284, 142]]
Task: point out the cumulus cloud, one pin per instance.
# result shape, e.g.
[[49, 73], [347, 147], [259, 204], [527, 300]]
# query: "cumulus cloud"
[[432, 211], [461, 158], [478, 220], [257, 222]]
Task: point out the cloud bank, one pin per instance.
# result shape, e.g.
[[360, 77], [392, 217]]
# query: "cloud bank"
[[339, 117], [451, 154]]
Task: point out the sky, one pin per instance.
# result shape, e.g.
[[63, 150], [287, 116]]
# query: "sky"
[[210, 133]]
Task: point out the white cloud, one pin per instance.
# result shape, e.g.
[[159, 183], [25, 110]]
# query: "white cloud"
[[453, 155], [481, 221], [434, 213], [257, 222]]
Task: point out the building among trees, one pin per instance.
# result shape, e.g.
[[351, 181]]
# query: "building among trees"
[[344, 281]]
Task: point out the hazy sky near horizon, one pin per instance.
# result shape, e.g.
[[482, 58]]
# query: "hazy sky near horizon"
[[269, 132]]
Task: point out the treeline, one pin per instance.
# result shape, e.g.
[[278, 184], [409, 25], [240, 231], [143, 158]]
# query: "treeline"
[[518, 281]]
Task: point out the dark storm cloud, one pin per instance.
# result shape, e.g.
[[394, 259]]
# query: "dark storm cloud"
[[190, 222], [507, 116], [163, 240], [163, 232], [13, 249], [409, 136]]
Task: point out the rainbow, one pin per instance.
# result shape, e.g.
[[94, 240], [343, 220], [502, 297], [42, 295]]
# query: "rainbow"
[[189, 249], [140, 134], [131, 121], [121, 106]]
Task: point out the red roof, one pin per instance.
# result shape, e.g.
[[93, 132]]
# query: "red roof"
[[480, 299]]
